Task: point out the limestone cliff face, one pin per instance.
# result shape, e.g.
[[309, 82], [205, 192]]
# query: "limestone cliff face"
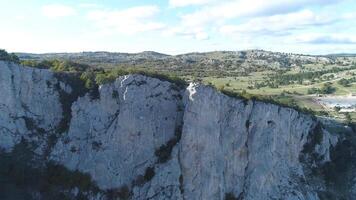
[[144, 138], [114, 137], [29, 104]]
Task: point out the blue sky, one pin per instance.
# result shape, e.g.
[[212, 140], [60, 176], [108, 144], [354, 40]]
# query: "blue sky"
[[178, 26]]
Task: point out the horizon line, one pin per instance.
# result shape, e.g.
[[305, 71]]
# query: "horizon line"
[[190, 52]]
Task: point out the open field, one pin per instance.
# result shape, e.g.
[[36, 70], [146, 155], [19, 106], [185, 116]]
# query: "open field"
[[296, 92]]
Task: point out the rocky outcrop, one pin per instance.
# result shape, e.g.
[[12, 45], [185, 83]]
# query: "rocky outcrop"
[[29, 105], [145, 138], [115, 137], [246, 149]]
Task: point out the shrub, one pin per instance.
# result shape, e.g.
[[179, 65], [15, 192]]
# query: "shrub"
[[149, 173], [348, 118], [89, 79], [59, 175], [327, 88], [104, 78], [313, 90], [337, 108], [119, 193], [68, 66], [23, 171], [164, 152], [283, 101], [230, 196], [8, 57], [344, 82]]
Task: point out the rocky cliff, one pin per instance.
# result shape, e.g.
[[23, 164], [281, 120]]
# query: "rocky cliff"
[[145, 138]]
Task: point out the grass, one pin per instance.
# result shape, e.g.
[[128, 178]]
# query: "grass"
[[295, 92], [242, 83]]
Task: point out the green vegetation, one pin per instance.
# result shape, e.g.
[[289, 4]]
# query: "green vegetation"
[[230, 196], [348, 118], [78, 89], [107, 76], [281, 100], [57, 65], [283, 78], [22, 172], [92, 77], [8, 57], [347, 82], [300, 95], [122, 193], [325, 89], [164, 152]]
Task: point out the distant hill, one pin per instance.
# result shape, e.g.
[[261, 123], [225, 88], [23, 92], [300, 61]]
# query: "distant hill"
[[342, 55], [225, 61], [98, 56]]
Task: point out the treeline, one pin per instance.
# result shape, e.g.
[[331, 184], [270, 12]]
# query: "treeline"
[[280, 100], [11, 57], [347, 82], [287, 79], [57, 65], [94, 76], [325, 89]]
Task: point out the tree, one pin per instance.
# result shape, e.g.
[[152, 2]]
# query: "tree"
[[344, 82], [8, 57], [327, 88], [348, 118], [337, 108], [89, 79], [313, 90]]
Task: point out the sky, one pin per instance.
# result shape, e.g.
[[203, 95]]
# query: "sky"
[[178, 26]]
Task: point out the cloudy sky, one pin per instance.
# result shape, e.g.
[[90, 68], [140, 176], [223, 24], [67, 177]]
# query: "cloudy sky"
[[178, 26]]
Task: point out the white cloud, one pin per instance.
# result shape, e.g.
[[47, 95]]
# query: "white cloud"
[[189, 33], [258, 16], [129, 21], [201, 36], [246, 8], [20, 17], [279, 24], [193, 25], [316, 38], [183, 3], [89, 5], [56, 10]]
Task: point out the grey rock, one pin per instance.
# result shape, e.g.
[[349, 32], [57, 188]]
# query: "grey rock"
[[246, 148], [114, 138], [29, 104], [160, 142]]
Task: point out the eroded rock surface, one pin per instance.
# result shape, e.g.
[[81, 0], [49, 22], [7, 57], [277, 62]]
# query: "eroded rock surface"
[[114, 138], [29, 104]]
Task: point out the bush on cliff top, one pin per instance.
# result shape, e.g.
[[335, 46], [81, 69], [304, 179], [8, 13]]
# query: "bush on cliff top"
[[273, 99], [94, 76], [57, 65], [8, 57]]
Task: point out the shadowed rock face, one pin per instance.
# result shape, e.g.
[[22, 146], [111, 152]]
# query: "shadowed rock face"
[[142, 138], [115, 137]]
